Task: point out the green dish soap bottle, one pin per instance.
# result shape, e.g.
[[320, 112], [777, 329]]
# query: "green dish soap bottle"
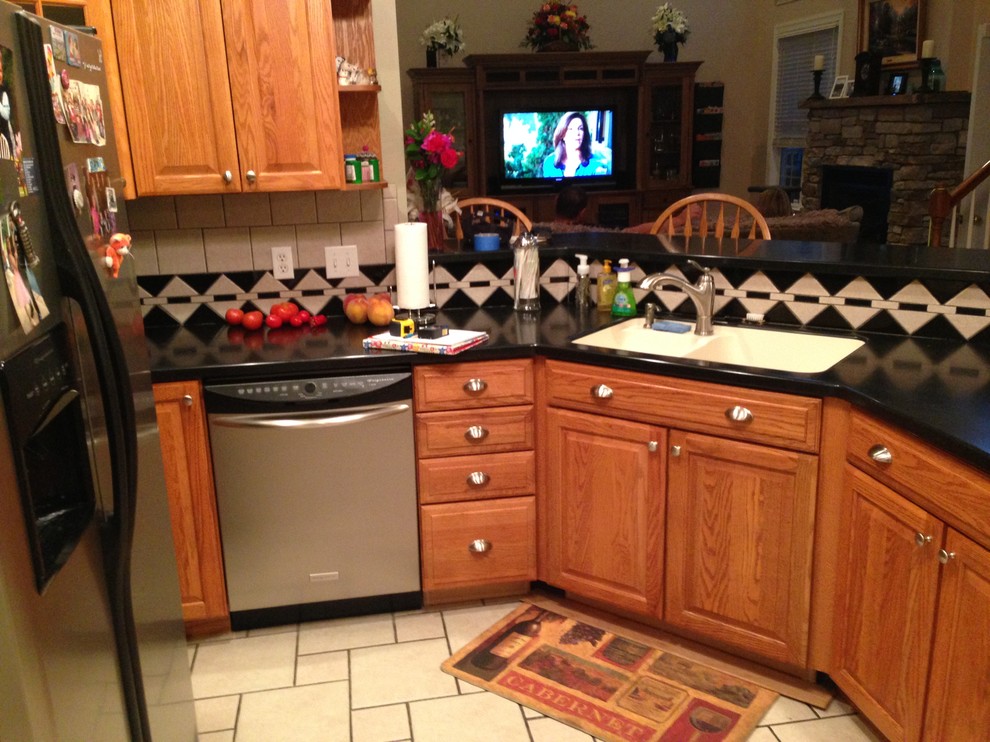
[[606, 287], [624, 303]]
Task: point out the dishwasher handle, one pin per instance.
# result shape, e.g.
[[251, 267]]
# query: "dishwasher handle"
[[309, 421]]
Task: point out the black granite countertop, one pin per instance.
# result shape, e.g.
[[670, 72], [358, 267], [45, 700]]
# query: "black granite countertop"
[[938, 389]]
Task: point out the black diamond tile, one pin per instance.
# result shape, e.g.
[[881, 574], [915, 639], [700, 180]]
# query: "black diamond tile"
[[376, 273], [202, 316], [887, 286], [833, 284], [153, 284], [944, 290], [779, 314], [737, 276], [199, 282], [157, 317], [982, 337], [244, 280], [734, 308], [939, 328], [882, 322], [830, 319], [459, 300]]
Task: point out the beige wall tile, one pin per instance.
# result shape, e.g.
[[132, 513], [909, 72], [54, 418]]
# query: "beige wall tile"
[[338, 206], [180, 251], [152, 212], [144, 252], [263, 239], [371, 206], [228, 250], [293, 208], [310, 241], [198, 212], [247, 210], [368, 236]]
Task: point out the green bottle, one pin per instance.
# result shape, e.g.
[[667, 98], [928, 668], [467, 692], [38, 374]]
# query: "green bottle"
[[624, 303]]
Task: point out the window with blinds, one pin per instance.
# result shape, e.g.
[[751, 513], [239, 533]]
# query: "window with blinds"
[[795, 58]]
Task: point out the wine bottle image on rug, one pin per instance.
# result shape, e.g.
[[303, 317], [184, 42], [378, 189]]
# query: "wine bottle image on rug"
[[493, 655]]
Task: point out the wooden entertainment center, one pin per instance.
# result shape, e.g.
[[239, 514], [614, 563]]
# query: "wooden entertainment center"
[[655, 101]]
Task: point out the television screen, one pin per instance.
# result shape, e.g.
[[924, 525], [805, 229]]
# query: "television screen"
[[542, 145]]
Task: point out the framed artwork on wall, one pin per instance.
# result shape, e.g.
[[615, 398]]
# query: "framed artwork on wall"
[[893, 29]]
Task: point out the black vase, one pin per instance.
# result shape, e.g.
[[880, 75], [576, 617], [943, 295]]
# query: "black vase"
[[431, 57], [669, 51]]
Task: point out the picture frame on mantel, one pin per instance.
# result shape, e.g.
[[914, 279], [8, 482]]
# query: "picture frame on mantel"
[[894, 30]]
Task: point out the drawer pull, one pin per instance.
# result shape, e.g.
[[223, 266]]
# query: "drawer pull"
[[187, 400], [652, 446], [478, 479], [881, 454], [944, 557], [675, 450], [475, 386], [600, 391], [922, 539], [480, 546], [476, 433], [739, 414]]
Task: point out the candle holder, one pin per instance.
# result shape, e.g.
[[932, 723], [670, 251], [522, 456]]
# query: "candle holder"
[[817, 95], [927, 65]]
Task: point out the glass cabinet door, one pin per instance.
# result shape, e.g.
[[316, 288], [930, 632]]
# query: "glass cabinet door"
[[450, 94]]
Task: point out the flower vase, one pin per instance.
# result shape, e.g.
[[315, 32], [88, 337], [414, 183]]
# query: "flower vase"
[[669, 52], [558, 46], [431, 57], [436, 234]]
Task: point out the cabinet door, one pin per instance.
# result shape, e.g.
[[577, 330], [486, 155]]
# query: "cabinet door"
[[283, 83], [192, 503], [605, 511], [740, 519], [173, 72], [885, 604], [450, 94], [957, 707]]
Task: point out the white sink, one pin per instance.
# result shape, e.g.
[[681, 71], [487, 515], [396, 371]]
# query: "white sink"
[[796, 352]]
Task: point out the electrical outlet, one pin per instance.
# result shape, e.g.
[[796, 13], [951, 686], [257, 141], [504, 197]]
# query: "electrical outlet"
[[342, 261], [282, 262]]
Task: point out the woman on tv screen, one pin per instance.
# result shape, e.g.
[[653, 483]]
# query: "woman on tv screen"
[[572, 153]]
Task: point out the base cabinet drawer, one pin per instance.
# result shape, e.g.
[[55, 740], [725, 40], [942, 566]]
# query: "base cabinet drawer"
[[471, 543], [458, 478], [474, 431]]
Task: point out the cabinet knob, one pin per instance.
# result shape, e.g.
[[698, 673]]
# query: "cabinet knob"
[[480, 546], [944, 557], [475, 386], [881, 454], [652, 446], [600, 391], [251, 176], [922, 539], [187, 400], [228, 177], [476, 433], [739, 414], [478, 479], [675, 450]]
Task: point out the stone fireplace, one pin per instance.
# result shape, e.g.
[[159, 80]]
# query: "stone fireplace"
[[919, 139]]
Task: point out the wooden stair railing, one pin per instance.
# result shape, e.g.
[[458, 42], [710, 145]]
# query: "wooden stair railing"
[[944, 203]]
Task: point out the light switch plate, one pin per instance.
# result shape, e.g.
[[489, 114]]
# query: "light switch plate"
[[342, 261], [282, 262]]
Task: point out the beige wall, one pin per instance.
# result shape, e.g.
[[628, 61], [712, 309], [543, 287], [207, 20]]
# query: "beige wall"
[[734, 38]]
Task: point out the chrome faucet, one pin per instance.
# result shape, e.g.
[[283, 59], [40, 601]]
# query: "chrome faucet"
[[701, 293]]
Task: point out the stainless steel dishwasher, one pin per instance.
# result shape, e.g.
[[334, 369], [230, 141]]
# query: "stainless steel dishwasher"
[[316, 491]]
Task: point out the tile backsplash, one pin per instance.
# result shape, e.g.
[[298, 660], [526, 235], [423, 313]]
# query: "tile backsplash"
[[176, 235]]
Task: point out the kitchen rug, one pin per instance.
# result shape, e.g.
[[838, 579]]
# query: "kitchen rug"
[[612, 687]]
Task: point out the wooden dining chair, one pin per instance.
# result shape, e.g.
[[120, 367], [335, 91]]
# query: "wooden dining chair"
[[727, 211], [493, 211]]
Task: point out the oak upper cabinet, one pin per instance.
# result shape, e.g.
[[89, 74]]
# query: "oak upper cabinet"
[[912, 596], [231, 96], [604, 508], [192, 505], [740, 523]]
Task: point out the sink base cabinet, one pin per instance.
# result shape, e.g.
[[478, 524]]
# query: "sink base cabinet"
[[604, 509], [192, 505], [740, 523]]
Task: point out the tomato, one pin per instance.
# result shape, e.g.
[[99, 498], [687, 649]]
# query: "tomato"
[[234, 316], [285, 310], [297, 320], [303, 315], [273, 321], [252, 320], [318, 320]]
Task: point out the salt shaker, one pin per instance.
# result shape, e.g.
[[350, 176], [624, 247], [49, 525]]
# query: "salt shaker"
[[526, 273]]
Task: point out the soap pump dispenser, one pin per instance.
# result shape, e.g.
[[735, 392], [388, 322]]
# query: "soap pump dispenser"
[[606, 287], [582, 293], [624, 303]]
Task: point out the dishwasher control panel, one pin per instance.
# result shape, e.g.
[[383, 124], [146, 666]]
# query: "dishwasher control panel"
[[314, 389]]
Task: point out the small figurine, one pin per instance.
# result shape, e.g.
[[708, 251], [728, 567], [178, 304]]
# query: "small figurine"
[[118, 247]]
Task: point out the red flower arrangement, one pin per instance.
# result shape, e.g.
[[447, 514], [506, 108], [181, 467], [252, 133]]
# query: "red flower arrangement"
[[558, 22], [430, 153]]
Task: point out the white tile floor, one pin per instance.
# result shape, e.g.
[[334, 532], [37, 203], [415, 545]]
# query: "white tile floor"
[[378, 678]]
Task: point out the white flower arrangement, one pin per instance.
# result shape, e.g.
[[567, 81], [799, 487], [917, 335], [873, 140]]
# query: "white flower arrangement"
[[667, 16], [443, 36]]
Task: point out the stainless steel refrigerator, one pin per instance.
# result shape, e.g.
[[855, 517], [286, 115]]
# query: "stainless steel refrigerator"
[[92, 645]]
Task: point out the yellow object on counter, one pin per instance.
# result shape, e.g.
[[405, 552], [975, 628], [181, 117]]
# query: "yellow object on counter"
[[606, 288]]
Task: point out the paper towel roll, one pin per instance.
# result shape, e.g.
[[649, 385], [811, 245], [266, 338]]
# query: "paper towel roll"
[[411, 266]]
